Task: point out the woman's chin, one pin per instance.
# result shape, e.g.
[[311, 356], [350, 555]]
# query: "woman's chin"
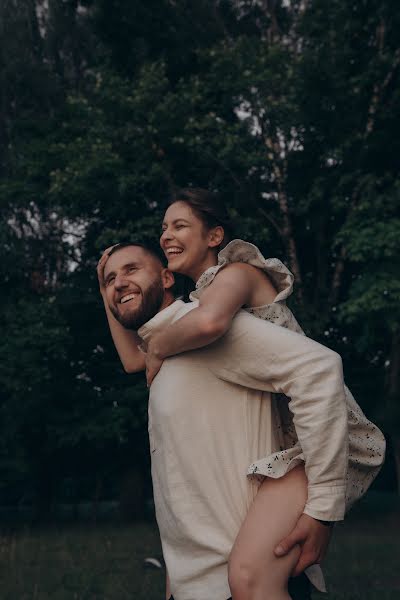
[[176, 266]]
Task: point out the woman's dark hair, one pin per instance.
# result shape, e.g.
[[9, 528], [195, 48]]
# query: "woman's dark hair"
[[207, 206]]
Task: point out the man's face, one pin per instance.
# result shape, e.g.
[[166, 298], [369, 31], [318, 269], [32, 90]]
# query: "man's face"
[[134, 286]]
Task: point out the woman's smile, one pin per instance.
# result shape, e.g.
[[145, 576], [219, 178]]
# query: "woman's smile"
[[173, 251]]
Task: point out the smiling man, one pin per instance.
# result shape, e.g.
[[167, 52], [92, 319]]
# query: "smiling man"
[[135, 287], [210, 417]]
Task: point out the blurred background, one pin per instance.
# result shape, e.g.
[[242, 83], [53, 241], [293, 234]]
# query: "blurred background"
[[290, 110]]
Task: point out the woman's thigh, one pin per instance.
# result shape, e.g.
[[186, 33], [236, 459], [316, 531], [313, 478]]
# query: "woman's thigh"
[[271, 517]]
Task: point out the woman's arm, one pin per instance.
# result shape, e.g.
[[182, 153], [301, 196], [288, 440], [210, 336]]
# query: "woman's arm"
[[233, 287], [126, 342]]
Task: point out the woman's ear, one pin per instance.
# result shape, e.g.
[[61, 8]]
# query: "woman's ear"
[[216, 236], [168, 279]]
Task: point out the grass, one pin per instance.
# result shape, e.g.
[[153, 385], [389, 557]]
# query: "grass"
[[105, 562], [80, 563]]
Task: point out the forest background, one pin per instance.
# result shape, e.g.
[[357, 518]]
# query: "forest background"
[[289, 109]]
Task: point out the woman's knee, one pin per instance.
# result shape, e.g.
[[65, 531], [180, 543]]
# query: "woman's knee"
[[251, 580], [242, 578]]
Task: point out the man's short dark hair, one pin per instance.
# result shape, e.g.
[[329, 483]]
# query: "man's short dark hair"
[[148, 245], [183, 285]]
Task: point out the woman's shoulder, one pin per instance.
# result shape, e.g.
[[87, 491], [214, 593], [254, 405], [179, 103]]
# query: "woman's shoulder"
[[240, 251]]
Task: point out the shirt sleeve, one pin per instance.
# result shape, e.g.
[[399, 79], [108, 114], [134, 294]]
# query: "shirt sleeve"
[[260, 355]]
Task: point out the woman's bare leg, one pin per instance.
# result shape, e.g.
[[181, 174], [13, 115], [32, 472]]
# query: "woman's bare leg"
[[255, 573]]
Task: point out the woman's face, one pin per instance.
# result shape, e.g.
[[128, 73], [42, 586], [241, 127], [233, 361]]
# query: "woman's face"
[[188, 245]]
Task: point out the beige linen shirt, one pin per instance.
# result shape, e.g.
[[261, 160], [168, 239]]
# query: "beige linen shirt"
[[210, 417]]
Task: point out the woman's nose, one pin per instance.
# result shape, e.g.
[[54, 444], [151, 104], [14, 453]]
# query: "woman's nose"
[[166, 235]]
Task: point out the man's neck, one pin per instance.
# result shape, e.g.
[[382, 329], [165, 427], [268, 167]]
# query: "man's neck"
[[162, 318], [169, 298]]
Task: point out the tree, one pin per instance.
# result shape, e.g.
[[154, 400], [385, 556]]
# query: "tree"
[[288, 110]]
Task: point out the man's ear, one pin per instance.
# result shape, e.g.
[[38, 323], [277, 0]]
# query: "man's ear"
[[168, 278], [216, 236]]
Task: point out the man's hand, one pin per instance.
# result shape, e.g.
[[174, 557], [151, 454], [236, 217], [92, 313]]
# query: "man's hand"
[[312, 537], [153, 364], [100, 268]]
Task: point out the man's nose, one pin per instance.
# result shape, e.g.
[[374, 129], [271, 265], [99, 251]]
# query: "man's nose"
[[120, 282]]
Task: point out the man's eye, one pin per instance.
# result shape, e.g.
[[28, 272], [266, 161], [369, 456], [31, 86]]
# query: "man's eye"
[[110, 281], [180, 225], [131, 269]]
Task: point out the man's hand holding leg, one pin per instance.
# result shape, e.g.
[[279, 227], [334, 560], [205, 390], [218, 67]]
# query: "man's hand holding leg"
[[313, 538]]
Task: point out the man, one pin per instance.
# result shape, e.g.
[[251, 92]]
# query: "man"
[[210, 417]]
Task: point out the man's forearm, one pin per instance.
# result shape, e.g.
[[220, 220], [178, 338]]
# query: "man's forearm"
[[126, 343]]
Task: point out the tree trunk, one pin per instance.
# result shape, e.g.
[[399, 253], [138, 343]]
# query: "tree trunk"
[[290, 243], [286, 228]]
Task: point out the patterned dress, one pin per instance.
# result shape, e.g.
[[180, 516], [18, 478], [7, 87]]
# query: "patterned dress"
[[366, 441]]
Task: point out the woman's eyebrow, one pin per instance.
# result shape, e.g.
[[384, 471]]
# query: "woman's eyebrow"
[[175, 221]]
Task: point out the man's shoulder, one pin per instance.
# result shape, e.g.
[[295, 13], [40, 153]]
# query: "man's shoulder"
[[184, 308]]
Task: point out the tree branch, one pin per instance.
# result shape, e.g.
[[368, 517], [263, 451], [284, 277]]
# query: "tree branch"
[[286, 231], [271, 220], [380, 88]]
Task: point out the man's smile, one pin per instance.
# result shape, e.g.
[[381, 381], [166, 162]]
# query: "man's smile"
[[128, 297]]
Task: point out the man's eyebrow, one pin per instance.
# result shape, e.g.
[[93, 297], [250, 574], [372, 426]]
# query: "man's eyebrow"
[[123, 268]]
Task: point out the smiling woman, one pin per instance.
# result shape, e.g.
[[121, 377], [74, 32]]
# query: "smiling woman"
[[195, 227]]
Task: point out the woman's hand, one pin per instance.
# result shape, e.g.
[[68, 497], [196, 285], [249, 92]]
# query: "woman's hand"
[[153, 364], [100, 268]]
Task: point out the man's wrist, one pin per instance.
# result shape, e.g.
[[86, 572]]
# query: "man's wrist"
[[326, 523]]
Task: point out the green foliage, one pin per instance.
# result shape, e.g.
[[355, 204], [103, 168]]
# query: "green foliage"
[[291, 114]]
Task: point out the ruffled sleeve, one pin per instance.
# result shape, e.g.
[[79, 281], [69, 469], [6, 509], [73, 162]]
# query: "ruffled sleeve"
[[245, 252]]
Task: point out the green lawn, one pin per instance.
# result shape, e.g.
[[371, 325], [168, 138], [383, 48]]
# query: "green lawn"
[[105, 562]]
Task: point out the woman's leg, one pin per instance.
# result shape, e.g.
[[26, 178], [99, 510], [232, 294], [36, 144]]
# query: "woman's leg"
[[255, 573]]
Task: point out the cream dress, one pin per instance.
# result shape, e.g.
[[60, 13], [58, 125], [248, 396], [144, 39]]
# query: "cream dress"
[[366, 441]]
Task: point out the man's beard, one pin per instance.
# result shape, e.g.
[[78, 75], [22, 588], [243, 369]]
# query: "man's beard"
[[152, 299]]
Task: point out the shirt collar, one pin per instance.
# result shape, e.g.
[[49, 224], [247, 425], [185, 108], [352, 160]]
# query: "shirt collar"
[[161, 319]]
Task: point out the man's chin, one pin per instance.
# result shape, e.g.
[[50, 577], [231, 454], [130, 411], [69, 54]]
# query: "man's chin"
[[149, 305], [129, 319]]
